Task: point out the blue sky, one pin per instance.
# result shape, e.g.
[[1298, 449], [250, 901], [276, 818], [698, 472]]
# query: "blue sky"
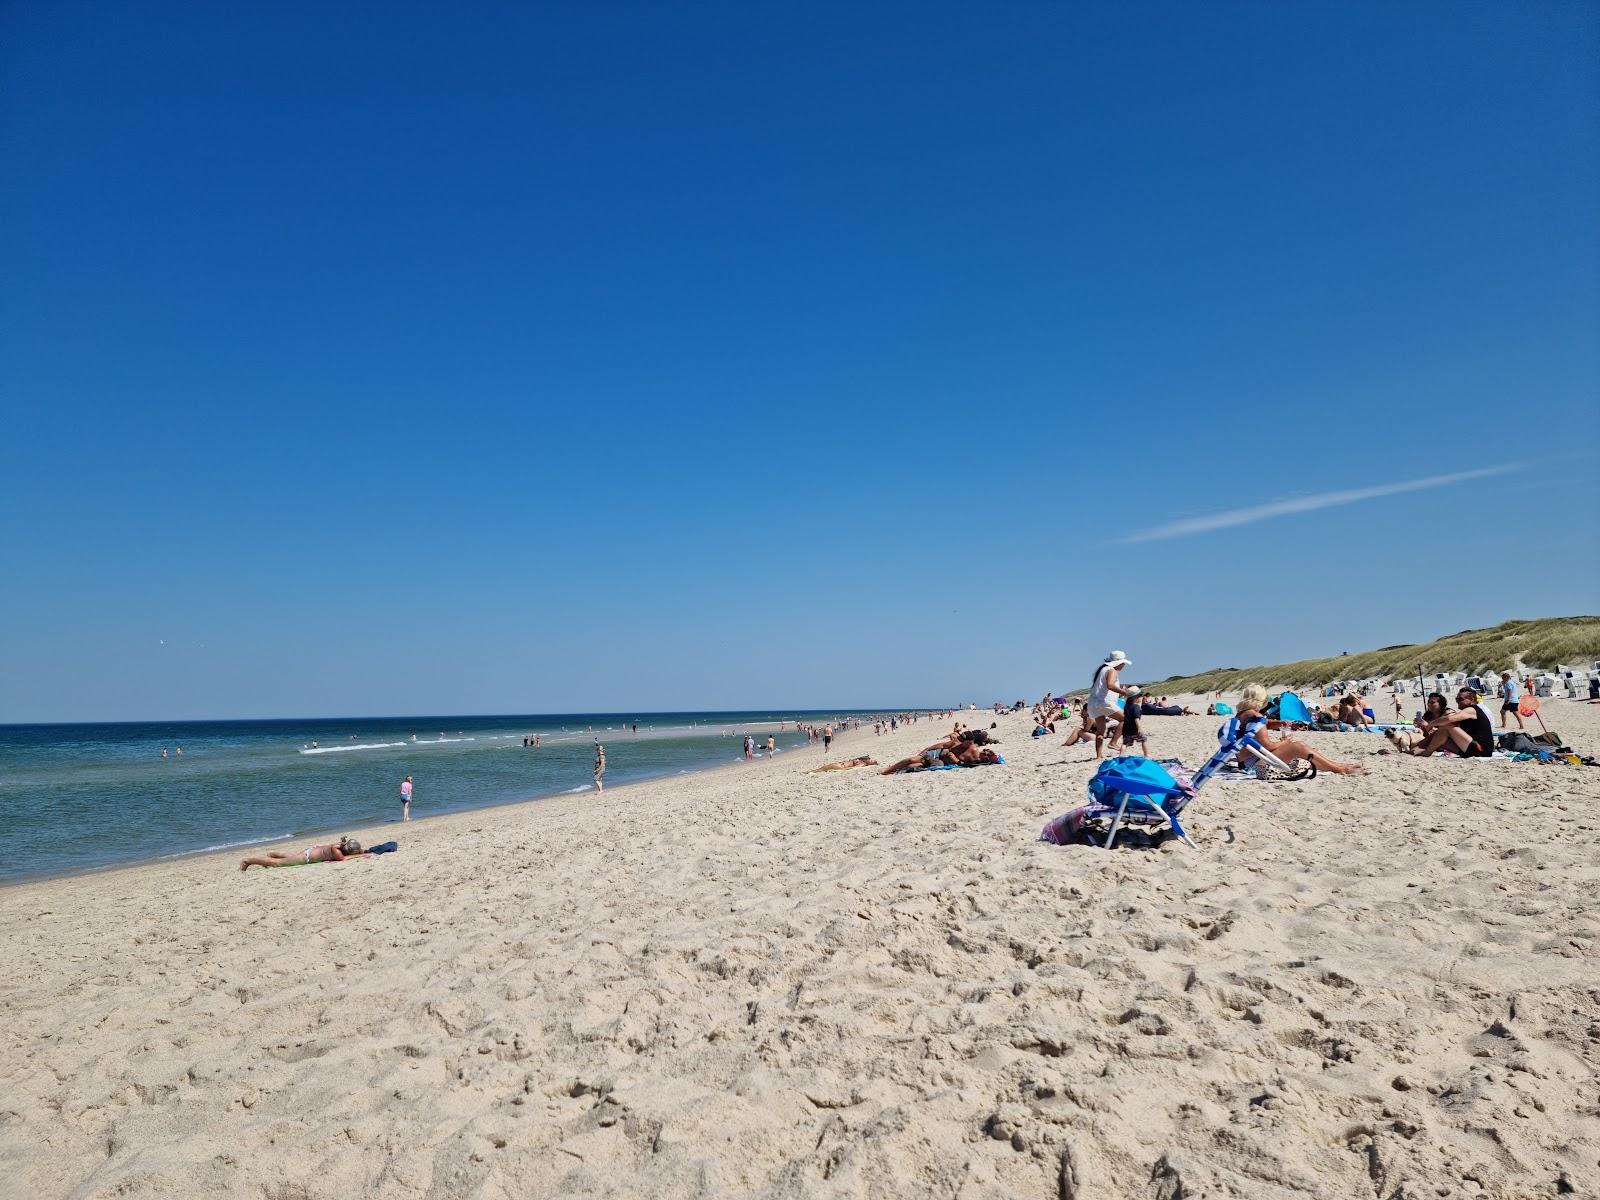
[[396, 359]]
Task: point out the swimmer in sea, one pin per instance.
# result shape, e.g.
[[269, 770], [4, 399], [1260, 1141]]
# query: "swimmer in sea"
[[338, 851]]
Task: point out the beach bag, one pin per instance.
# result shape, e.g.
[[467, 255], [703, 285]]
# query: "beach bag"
[[1518, 743]]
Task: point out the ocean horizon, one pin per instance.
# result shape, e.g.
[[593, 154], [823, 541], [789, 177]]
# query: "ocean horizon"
[[81, 796]]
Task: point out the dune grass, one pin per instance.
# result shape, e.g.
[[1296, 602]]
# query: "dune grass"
[[1541, 643]]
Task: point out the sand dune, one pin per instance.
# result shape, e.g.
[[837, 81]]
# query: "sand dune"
[[762, 982]]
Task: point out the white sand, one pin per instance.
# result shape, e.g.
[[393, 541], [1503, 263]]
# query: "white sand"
[[759, 982]]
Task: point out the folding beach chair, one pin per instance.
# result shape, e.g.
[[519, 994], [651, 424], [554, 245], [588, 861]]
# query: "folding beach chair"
[[1140, 794], [1127, 793], [1235, 736]]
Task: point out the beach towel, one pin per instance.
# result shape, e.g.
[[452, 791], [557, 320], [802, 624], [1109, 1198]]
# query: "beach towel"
[[1233, 773], [1228, 770], [999, 761], [1346, 727]]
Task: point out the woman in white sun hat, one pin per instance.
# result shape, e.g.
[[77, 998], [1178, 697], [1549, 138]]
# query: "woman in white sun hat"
[[1103, 708]]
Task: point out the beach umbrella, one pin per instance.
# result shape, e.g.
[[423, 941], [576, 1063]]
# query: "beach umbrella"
[[1292, 708]]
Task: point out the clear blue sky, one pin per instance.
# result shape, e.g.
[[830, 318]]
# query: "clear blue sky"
[[401, 359]]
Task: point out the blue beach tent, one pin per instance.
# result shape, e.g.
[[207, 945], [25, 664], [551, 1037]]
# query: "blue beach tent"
[[1292, 708]]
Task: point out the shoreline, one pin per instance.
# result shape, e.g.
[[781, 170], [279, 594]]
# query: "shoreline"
[[236, 831], [358, 829]]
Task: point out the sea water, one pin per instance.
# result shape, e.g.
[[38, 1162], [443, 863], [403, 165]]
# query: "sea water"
[[76, 797]]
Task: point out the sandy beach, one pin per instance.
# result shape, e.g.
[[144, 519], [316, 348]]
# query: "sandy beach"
[[758, 981]]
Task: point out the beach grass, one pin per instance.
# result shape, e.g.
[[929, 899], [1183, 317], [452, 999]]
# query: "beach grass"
[[1540, 643]]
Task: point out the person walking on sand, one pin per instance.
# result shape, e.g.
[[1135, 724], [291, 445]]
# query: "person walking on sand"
[[827, 738], [405, 799], [599, 766], [1510, 702], [1103, 710]]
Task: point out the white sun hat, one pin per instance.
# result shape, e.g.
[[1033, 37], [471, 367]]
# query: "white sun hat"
[[1118, 659]]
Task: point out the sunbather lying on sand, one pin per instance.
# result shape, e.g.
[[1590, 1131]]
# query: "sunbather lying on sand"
[[332, 852], [866, 760], [963, 754], [1164, 709], [1250, 709]]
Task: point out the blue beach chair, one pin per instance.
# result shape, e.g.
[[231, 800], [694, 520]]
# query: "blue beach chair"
[[1142, 794], [1236, 735], [1126, 793]]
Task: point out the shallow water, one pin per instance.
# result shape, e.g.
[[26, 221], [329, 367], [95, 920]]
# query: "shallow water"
[[75, 797]]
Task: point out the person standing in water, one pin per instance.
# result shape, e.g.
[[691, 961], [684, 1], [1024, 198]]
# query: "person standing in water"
[[405, 799], [599, 766], [771, 742]]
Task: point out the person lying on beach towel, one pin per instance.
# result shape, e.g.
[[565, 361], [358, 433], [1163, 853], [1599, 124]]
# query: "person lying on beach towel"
[[866, 760], [1249, 717], [964, 755], [1468, 731], [332, 852], [1166, 710]]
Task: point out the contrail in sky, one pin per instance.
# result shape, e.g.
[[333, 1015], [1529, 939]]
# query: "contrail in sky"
[[1299, 504]]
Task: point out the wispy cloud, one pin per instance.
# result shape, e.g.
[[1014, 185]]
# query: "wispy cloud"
[[1300, 504]]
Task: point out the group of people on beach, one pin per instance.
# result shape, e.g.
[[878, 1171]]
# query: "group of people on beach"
[[961, 747], [1101, 719], [1467, 730], [750, 747]]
